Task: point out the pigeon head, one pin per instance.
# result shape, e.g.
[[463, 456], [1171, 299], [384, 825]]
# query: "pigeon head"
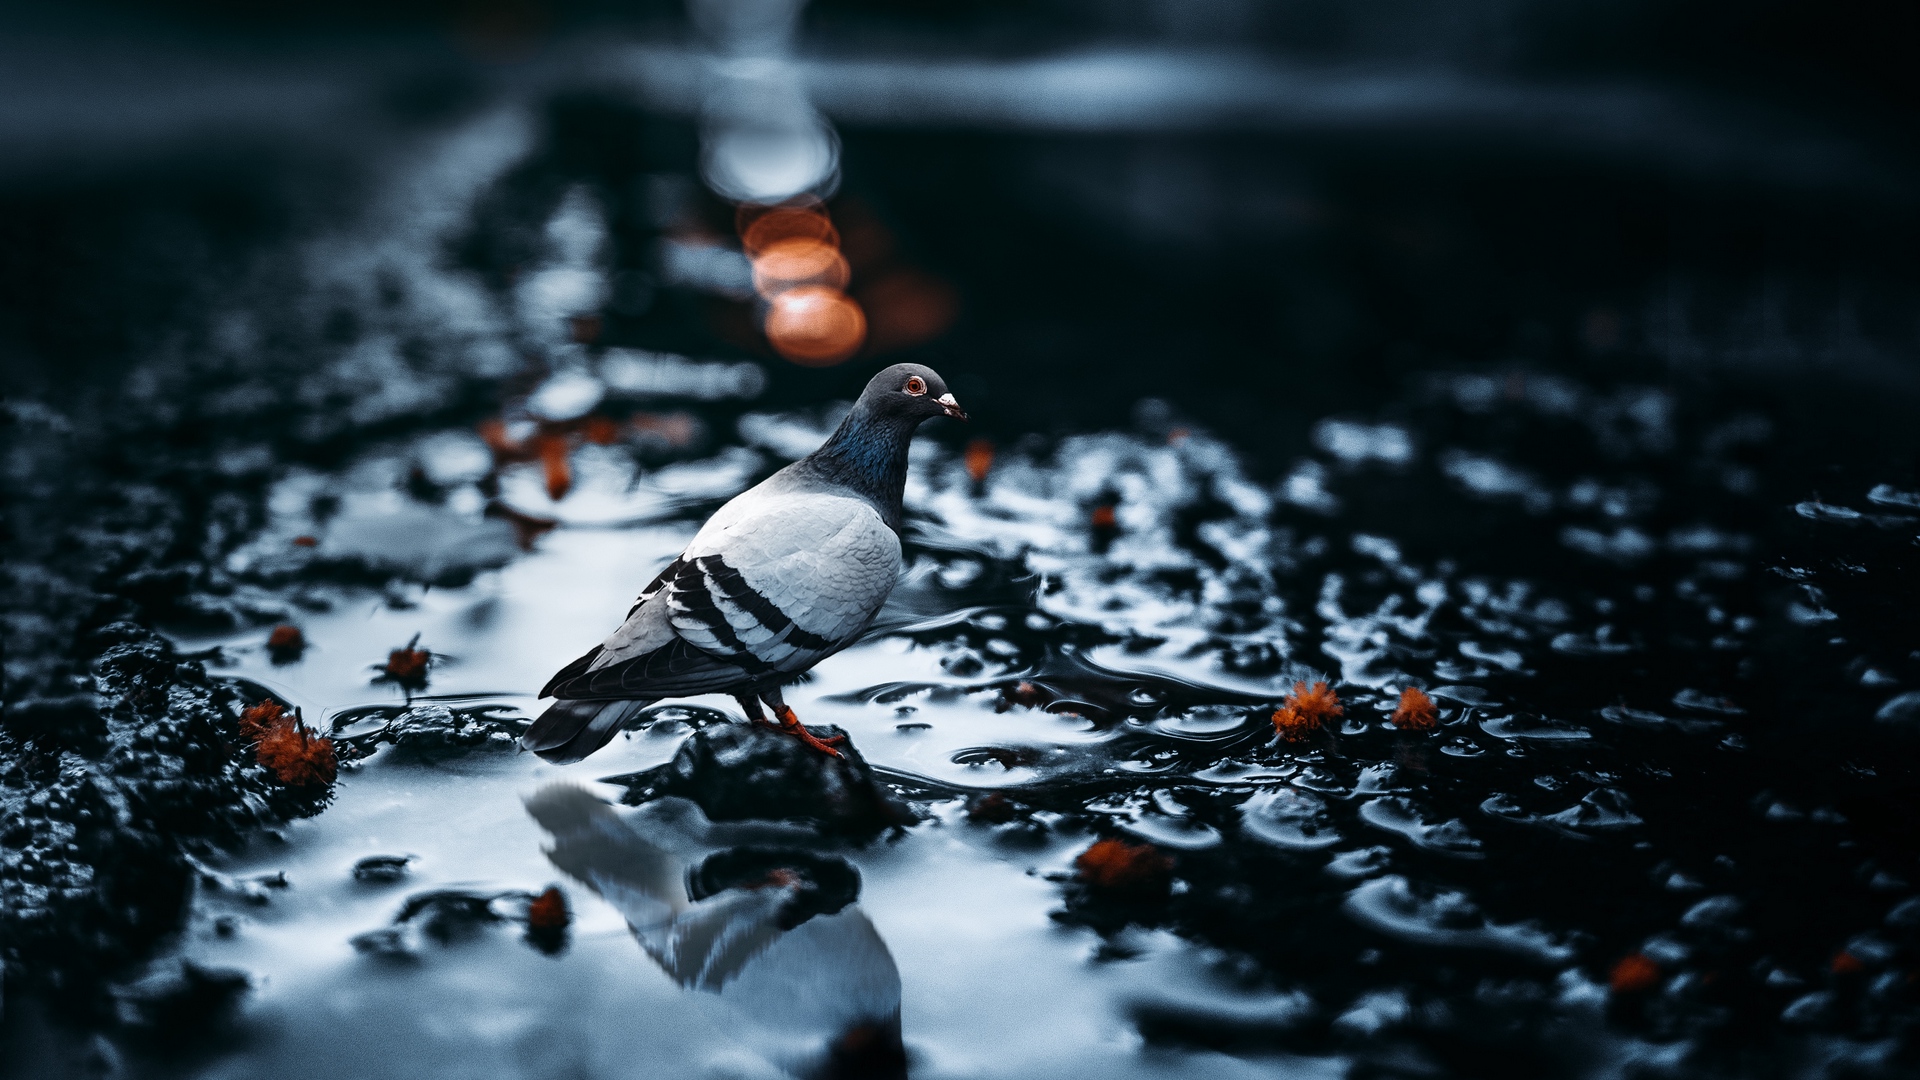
[[869, 451], [910, 392]]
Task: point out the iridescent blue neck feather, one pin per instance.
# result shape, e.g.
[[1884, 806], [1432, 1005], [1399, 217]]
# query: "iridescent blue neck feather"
[[868, 453]]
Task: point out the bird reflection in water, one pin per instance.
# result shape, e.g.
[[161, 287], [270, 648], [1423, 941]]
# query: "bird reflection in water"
[[774, 932]]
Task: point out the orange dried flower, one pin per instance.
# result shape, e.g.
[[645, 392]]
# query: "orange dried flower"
[[1306, 711], [549, 911], [1845, 963], [1116, 864], [1103, 517], [1633, 974], [257, 720], [1416, 711], [979, 460], [296, 757], [407, 665], [306, 541], [553, 458]]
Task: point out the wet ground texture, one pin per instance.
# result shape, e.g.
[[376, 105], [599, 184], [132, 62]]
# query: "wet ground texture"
[[1649, 813]]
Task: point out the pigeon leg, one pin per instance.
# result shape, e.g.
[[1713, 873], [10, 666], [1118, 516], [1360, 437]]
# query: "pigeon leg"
[[791, 724], [754, 712]]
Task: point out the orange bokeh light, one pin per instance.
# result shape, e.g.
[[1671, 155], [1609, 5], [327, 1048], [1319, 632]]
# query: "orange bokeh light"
[[815, 325], [787, 223], [908, 308], [796, 262]]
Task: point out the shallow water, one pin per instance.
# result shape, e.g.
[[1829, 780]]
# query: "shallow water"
[[1621, 769]]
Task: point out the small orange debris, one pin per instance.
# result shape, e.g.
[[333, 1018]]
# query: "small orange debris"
[[1024, 694], [296, 757], [1178, 435], [286, 643], [1633, 974], [1103, 517], [600, 430], [257, 720], [1416, 711], [408, 665], [979, 460], [675, 429], [584, 329], [306, 541], [1306, 711], [549, 911], [1116, 864], [284, 746], [1845, 963], [493, 432], [815, 325], [553, 458]]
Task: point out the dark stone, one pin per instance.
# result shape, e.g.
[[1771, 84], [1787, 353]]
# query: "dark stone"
[[175, 1009], [823, 884], [381, 869], [740, 772], [448, 915]]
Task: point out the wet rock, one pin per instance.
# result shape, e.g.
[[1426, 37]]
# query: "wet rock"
[[1901, 709], [99, 811], [416, 541], [381, 869], [426, 732], [739, 772], [175, 1008], [441, 917], [821, 884]]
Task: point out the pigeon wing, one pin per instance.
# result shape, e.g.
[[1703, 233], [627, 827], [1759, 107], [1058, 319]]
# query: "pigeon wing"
[[792, 580]]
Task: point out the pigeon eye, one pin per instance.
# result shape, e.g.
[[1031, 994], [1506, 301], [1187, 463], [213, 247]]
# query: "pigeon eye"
[[916, 385]]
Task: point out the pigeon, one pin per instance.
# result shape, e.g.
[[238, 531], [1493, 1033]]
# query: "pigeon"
[[811, 978], [783, 576]]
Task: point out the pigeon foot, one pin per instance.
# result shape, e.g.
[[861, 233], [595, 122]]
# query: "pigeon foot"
[[791, 724]]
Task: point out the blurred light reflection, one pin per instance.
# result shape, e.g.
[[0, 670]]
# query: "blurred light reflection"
[[791, 263], [815, 325]]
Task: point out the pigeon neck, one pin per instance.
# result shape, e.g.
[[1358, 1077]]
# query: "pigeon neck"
[[868, 453]]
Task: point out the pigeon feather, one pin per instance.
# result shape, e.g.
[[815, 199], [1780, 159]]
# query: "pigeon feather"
[[783, 576]]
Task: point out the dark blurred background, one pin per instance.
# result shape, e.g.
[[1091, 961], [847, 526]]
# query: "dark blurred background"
[[1262, 211]]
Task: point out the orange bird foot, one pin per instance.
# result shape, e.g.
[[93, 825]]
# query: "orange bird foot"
[[791, 724]]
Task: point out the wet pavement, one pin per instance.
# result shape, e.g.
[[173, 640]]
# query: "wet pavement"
[[1649, 830], [1507, 718]]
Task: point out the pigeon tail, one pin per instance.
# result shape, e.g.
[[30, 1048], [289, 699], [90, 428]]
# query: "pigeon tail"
[[570, 730]]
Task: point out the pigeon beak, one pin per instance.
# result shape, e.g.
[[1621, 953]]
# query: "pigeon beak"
[[953, 407]]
